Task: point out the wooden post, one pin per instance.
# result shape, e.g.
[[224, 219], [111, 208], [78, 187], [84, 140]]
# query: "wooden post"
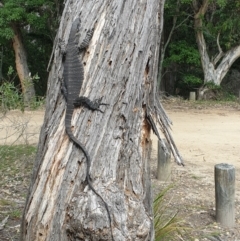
[[192, 96], [164, 164], [225, 194]]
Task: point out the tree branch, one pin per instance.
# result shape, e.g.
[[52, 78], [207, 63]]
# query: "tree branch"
[[202, 10], [198, 25], [220, 54], [164, 46], [159, 120], [179, 25], [228, 59]]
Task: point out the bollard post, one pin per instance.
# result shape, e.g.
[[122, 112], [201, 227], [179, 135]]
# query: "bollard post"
[[225, 194], [164, 164], [192, 96]]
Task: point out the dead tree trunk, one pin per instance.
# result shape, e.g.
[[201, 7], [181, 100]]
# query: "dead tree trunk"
[[120, 65], [22, 67]]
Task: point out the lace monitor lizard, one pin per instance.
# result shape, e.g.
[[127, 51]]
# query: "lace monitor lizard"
[[73, 76]]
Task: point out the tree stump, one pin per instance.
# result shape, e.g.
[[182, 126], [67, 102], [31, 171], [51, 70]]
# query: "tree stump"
[[225, 194]]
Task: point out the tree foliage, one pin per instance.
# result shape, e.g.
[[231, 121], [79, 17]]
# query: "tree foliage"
[[33, 16], [223, 18], [37, 21], [182, 53]]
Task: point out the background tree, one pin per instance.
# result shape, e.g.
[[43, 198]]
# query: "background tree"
[[181, 66], [186, 63], [174, 18], [219, 21], [28, 26], [121, 66]]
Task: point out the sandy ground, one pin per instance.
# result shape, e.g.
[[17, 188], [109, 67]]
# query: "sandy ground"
[[204, 137], [17, 127], [207, 137]]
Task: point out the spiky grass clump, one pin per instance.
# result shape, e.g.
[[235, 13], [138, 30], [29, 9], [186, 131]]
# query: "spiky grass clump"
[[167, 224]]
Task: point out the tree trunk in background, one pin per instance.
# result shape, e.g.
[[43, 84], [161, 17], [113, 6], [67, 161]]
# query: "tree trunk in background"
[[1, 62], [120, 65], [22, 67], [214, 71]]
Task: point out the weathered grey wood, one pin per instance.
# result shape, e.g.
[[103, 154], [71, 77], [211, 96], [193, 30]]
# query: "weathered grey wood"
[[164, 161], [225, 194], [192, 96], [120, 65]]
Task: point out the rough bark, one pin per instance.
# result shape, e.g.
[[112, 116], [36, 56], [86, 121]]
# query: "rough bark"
[[22, 67], [214, 71], [120, 64]]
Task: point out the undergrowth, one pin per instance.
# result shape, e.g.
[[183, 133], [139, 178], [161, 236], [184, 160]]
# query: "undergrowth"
[[15, 161], [168, 226], [11, 96], [15, 169]]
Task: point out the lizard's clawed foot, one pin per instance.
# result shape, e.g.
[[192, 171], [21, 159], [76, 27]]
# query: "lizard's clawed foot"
[[92, 105]]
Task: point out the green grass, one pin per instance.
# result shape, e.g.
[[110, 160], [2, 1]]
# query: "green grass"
[[15, 162], [9, 152], [10, 208], [196, 177], [16, 213], [167, 224], [4, 203], [15, 170]]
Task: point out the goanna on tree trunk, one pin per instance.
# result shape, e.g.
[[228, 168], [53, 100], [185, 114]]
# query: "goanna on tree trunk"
[[120, 65]]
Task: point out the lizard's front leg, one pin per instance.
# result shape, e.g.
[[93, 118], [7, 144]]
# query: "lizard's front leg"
[[92, 105]]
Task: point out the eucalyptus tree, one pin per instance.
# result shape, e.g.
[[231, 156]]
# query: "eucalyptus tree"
[[201, 40], [19, 19], [217, 24], [120, 67]]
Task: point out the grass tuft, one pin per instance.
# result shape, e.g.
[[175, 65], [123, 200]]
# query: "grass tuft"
[[167, 224]]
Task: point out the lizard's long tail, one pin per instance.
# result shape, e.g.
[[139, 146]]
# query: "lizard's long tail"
[[82, 147]]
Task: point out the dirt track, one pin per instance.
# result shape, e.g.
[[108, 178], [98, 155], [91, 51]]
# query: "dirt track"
[[20, 128], [204, 137]]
